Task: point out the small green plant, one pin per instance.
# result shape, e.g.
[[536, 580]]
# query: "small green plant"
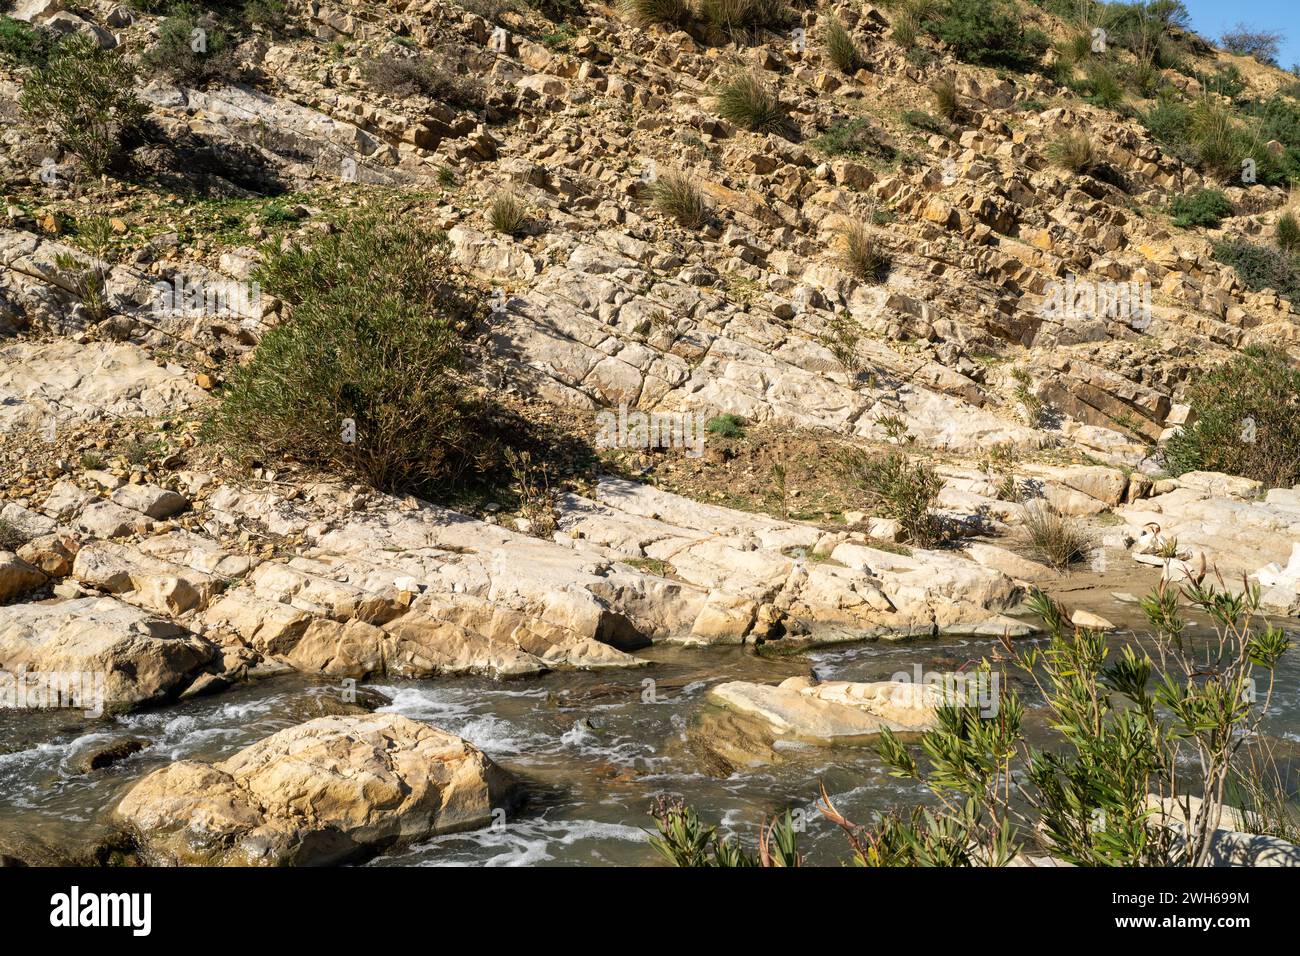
[[855, 137], [1287, 233], [84, 98], [725, 426], [92, 461], [1072, 151], [733, 16], [675, 194], [1202, 207], [87, 282], [508, 214], [407, 75], [746, 101], [1057, 540], [446, 177], [537, 499], [841, 49], [841, 337]]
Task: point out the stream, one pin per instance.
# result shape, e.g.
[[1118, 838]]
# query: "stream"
[[592, 749]]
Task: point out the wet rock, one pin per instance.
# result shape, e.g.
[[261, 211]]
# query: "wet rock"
[[106, 753], [138, 658], [330, 790]]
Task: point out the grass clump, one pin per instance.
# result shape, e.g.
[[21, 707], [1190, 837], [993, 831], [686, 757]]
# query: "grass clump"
[[507, 214], [1072, 151], [841, 49], [364, 375], [726, 425], [860, 253], [731, 16], [746, 101], [645, 12], [83, 97], [1057, 540], [1245, 421], [1287, 233], [946, 102], [1203, 207], [675, 194]]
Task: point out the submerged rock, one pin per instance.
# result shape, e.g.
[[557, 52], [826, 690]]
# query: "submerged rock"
[[326, 791]]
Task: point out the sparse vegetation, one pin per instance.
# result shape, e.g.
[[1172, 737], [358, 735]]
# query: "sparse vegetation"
[[12, 537], [192, 48], [1287, 233], [403, 76], [646, 12], [946, 101], [901, 488], [1245, 40]]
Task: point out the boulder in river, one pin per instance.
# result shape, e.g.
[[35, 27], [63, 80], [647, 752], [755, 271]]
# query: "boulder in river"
[[330, 790]]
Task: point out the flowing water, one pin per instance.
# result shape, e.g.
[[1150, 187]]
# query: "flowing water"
[[592, 750]]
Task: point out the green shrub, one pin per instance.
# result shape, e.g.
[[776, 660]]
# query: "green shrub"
[[1246, 421], [676, 195], [987, 32], [22, 44], [84, 98], [725, 426], [900, 488], [746, 101], [363, 376], [1203, 207], [1261, 267], [174, 54], [855, 137], [1103, 87], [844, 53]]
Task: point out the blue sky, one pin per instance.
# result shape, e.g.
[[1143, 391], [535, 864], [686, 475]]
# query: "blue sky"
[[1211, 18]]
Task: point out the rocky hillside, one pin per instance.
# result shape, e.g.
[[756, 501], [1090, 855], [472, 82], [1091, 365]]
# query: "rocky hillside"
[[829, 236]]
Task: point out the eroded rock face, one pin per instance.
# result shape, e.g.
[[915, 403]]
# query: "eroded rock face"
[[140, 658], [326, 791]]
